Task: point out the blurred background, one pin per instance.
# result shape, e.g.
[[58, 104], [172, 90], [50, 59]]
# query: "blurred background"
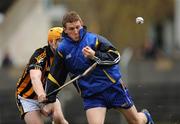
[[150, 52]]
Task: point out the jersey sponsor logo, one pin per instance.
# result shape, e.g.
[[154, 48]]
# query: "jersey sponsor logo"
[[41, 57]]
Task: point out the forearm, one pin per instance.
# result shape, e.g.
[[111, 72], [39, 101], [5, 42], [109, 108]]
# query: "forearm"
[[56, 77], [105, 52], [35, 75], [107, 58], [38, 87]]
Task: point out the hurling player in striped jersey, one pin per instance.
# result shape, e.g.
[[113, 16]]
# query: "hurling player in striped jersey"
[[31, 86]]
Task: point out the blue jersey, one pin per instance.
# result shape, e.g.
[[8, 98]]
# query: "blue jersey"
[[70, 54]]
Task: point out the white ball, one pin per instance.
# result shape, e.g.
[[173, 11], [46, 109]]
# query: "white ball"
[[139, 20]]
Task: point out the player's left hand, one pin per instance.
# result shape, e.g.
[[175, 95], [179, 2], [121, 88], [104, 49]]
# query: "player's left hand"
[[42, 98], [88, 52]]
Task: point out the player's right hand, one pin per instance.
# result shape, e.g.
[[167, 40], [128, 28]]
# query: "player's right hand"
[[46, 110], [88, 52]]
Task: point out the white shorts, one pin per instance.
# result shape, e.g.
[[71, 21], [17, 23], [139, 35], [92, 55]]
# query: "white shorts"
[[27, 105]]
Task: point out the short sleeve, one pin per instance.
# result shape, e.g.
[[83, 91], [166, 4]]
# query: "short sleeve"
[[37, 60]]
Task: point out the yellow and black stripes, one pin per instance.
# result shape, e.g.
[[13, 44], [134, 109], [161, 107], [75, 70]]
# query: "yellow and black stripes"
[[40, 60], [40, 57], [20, 108], [52, 79]]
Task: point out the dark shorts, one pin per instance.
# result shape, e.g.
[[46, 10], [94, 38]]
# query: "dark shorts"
[[116, 96]]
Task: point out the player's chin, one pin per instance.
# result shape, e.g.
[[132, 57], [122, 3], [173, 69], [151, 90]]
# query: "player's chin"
[[76, 38]]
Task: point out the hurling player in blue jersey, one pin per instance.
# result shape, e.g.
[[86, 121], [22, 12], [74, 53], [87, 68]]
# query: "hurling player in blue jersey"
[[101, 89]]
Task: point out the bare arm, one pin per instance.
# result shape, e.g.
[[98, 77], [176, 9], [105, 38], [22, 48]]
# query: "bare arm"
[[35, 75]]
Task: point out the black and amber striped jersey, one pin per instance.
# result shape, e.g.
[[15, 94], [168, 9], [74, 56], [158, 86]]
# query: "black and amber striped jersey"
[[41, 59]]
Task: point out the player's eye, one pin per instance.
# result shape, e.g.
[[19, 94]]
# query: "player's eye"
[[71, 28]]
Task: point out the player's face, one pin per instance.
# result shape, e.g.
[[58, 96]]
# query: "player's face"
[[54, 45], [72, 30]]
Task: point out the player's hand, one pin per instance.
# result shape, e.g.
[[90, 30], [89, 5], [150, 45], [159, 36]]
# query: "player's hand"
[[43, 104], [88, 52], [46, 110], [42, 98]]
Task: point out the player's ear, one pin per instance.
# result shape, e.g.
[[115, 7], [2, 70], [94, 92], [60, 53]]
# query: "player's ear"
[[65, 30], [81, 22]]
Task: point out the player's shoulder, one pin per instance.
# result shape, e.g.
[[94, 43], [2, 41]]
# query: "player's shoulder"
[[63, 44], [40, 52], [102, 38], [91, 36]]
